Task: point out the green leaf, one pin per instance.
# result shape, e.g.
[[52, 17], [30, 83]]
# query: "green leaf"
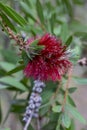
[[80, 2], [69, 7], [13, 14], [40, 11], [10, 55], [70, 100], [7, 21], [72, 126], [49, 126], [53, 116], [34, 43], [47, 94], [76, 26], [5, 129], [66, 120], [57, 108], [64, 32], [69, 40], [75, 113], [59, 122], [28, 11], [44, 110], [16, 69], [30, 127], [72, 90], [81, 81], [11, 81], [52, 22], [25, 57], [18, 101], [6, 65], [3, 86]]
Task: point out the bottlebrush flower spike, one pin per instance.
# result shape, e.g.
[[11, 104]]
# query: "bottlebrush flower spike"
[[51, 63]]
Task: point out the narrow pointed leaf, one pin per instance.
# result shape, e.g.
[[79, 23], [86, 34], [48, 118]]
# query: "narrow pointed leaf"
[[34, 43], [28, 11], [75, 113], [66, 120], [81, 80], [16, 69], [57, 108], [40, 11], [52, 22], [25, 58], [7, 21], [12, 14], [6, 65], [70, 100], [11, 81], [72, 90], [64, 32], [69, 40]]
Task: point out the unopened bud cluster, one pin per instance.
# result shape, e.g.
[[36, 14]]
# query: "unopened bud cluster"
[[34, 101]]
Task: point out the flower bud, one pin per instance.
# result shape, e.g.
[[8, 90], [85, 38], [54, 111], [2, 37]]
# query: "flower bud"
[[31, 101], [28, 111], [37, 99], [37, 105], [31, 106]]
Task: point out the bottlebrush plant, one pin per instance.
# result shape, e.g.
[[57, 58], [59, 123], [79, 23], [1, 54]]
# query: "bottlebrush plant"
[[44, 69]]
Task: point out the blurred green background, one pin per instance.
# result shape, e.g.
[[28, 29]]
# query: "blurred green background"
[[64, 18]]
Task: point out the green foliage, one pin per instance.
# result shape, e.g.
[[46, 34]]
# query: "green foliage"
[[71, 90], [16, 69], [27, 10], [80, 81], [57, 108], [69, 40], [40, 11], [66, 121], [28, 55], [12, 82], [12, 14], [75, 113], [34, 18], [8, 22]]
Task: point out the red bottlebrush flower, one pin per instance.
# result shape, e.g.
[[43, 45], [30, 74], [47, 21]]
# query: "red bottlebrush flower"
[[51, 63]]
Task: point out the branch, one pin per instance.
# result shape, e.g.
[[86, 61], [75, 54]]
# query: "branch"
[[67, 86]]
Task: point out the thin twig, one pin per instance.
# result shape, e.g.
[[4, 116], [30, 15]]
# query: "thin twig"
[[55, 94], [67, 86]]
